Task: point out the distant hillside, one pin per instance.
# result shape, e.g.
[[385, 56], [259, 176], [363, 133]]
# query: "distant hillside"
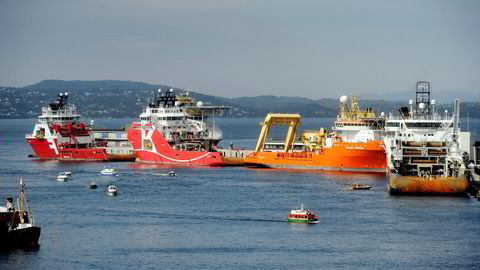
[[118, 99], [107, 85]]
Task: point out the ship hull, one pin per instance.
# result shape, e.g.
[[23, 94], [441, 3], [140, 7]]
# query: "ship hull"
[[349, 157], [157, 150], [416, 185], [21, 238], [47, 149]]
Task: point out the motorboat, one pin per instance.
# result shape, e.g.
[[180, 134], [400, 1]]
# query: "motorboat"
[[172, 173], [62, 177], [93, 185], [302, 216], [109, 171], [112, 190], [356, 186]]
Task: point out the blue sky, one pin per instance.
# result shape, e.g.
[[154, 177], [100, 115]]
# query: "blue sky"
[[244, 48]]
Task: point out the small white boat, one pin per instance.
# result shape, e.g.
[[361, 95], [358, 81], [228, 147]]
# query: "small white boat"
[[68, 173], [112, 190], [62, 177], [172, 173], [109, 171]]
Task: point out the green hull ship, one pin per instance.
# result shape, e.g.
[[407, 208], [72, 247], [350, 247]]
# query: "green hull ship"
[[302, 216]]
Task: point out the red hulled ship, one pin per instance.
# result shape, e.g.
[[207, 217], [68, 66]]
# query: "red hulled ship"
[[173, 130], [59, 134]]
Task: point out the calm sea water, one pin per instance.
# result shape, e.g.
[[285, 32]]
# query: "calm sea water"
[[229, 218]]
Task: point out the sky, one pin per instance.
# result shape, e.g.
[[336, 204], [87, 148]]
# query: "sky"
[[236, 48]]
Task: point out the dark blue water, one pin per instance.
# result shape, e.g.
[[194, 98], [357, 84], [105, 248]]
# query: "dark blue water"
[[229, 218]]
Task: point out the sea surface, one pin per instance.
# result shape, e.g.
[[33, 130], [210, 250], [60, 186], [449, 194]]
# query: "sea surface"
[[229, 218]]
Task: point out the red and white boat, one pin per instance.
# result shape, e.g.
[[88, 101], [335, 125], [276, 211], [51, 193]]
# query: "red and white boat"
[[174, 130], [59, 134]]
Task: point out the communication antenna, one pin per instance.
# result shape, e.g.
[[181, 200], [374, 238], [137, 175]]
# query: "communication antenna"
[[423, 97]]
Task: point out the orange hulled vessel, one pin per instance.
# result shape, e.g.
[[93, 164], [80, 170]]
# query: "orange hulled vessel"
[[320, 150]]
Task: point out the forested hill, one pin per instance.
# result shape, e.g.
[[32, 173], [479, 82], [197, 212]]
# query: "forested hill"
[[119, 99]]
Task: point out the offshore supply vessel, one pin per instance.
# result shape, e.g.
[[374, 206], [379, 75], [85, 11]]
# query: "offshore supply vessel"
[[174, 130], [319, 150], [426, 150], [60, 135]]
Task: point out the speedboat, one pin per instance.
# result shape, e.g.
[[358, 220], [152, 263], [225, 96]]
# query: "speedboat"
[[172, 173], [360, 186], [112, 190], [302, 216], [109, 171], [93, 185], [62, 177]]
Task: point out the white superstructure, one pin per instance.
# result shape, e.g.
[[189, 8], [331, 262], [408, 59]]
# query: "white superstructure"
[[356, 125], [180, 119], [421, 141]]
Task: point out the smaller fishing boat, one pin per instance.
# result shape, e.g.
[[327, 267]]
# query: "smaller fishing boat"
[[302, 216], [109, 171], [356, 186], [93, 185], [17, 227], [112, 190], [62, 177], [172, 173]]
